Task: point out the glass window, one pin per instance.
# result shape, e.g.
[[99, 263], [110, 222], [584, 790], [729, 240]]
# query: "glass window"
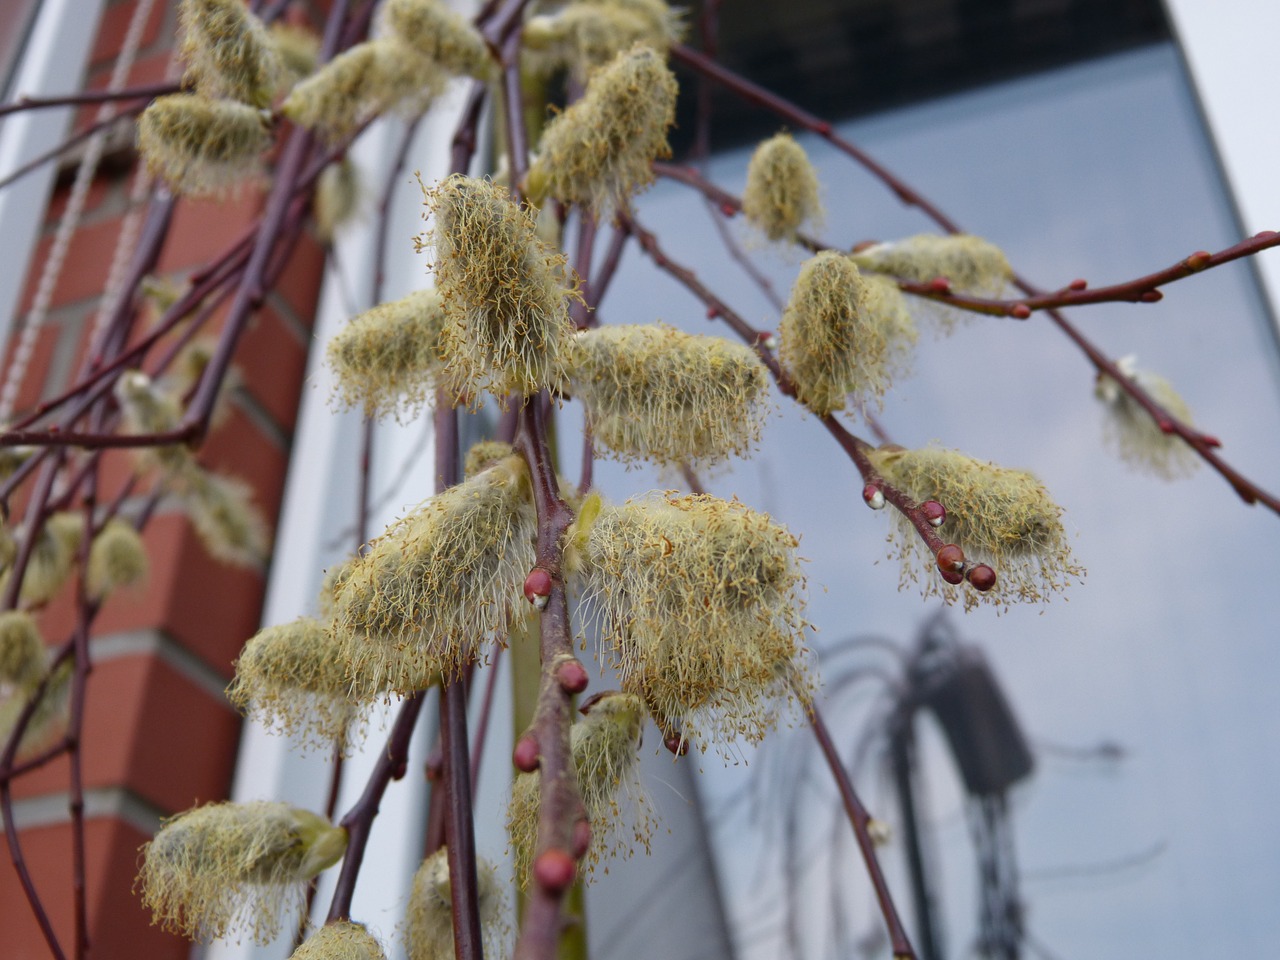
[[1099, 171]]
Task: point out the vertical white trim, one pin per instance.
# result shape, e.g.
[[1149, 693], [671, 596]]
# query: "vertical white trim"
[[53, 63], [1230, 48]]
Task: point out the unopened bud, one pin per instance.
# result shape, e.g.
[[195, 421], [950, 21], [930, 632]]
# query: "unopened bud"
[[873, 496], [934, 512]]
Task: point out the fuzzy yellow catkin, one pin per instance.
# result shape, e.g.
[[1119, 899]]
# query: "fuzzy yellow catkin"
[[117, 558], [441, 585], [202, 147], [428, 920], [1001, 517], [781, 194], [225, 517], [484, 455], [21, 651], [294, 678], [11, 458], [48, 719], [147, 409], [698, 601], [361, 83], [337, 197], [604, 745], [843, 335], [388, 359], [228, 51], [657, 393], [1132, 432], [342, 940], [53, 556], [235, 867], [587, 34], [600, 150], [440, 35], [297, 49], [504, 291]]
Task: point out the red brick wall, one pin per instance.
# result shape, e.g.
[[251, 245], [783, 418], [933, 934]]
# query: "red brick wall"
[[159, 737]]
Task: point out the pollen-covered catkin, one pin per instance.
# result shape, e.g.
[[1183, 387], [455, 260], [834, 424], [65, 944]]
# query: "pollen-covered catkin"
[[52, 558], [1134, 434], [117, 558], [337, 197], [361, 83], [698, 601], [604, 744], [600, 150], [342, 940], [781, 194], [231, 867], [298, 50], [428, 919], [147, 409], [1001, 517], [439, 34], [504, 291], [439, 586], [587, 34], [657, 393], [293, 677], [48, 719], [389, 358], [200, 146], [842, 334], [21, 651], [228, 51], [224, 515]]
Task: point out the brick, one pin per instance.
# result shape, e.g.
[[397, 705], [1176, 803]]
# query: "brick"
[[299, 284], [146, 71], [204, 229], [85, 269], [208, 607], [118, 925], [99, 191], [273, 363], [151, 730], [115, 24], [239, 447], [33, 382]]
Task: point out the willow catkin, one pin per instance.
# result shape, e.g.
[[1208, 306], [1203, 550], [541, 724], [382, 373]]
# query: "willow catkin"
[[228, 51], [1001, 517], [117, 559], [200, 146], [388, 359], [1134, 434], [342, 940], [49, 717], [504, 291], [781, 194], [338, 194], [225, 517], [604, 745], [294, 678], [21, 652], [235, 867], [298, 50], [601, 149], [656, 393], [360, 84], [439, 34], [428, 919], [843, 335], [440, 586], [585, 35], [698, 601]]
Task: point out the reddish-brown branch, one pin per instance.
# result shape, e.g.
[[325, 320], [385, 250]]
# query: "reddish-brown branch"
[[1140, 289], [855, 447], [859, 818], [359, 819], [147, 92], [560, 805], [70, 143]]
